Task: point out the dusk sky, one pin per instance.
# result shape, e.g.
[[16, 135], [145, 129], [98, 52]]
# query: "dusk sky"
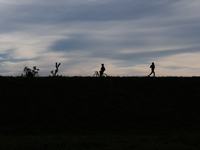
[[125, 35]]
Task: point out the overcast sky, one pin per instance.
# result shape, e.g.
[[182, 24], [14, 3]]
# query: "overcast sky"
[[125, 35]]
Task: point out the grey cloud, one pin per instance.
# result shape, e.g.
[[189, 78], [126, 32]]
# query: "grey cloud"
[[93, 11], [146, 56], [7, 58], [85, 43], [123, 10], [95, 48], [175, 68], [75, 42], [157, 54], [162, 37], [60, 12]]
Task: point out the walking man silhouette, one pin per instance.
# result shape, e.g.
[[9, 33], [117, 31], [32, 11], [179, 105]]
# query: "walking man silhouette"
[[152, 69], [102, 70]]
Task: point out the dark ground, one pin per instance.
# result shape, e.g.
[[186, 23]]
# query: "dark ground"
[[74, 112]]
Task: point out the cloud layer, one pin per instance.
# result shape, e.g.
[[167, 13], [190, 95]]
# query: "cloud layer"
[[124, 35]]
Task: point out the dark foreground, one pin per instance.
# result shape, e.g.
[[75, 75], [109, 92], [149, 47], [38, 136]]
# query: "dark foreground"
[[100, 113]]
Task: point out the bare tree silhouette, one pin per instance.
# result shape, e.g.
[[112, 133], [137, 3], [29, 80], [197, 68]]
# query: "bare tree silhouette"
[[56, 71]]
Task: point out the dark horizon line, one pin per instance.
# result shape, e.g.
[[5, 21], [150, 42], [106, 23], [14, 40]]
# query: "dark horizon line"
[[61, 76]]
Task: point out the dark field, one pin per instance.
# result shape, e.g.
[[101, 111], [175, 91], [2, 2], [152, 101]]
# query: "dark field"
[[100, 113]]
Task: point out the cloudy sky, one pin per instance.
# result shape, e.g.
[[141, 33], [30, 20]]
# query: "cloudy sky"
[[125, 35]]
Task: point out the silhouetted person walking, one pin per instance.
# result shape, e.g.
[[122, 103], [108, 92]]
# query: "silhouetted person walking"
[[102, 70], [152, 69]]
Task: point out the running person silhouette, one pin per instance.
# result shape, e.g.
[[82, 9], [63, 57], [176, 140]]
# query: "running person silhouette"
[[152, 69]]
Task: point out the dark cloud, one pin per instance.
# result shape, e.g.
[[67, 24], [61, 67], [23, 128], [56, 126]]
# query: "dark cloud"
[[156, 54], [88, 44], [77, 42], [7, 58], [175, 68], [55, 13], [146, 56]]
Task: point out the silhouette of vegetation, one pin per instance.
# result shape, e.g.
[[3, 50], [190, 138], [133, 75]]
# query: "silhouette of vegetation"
[[31, 73], [56, 71]]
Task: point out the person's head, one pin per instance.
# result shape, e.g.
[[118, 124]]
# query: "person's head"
[[152, 62], [102, 64]]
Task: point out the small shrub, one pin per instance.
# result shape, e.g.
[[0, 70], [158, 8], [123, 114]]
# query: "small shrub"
[[31, 73]]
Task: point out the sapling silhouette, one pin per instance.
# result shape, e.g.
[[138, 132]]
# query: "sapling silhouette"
[[56, 71], [31, 73]]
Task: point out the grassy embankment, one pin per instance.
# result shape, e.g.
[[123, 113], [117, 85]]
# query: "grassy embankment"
[[100, 113]]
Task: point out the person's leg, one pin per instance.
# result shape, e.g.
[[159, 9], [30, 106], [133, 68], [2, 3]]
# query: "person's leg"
[[100, 72], [153, 72], [150, 74]]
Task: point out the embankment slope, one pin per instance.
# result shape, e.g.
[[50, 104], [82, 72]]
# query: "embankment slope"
[[46, 105]]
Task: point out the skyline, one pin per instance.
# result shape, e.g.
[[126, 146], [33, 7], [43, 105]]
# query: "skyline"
[[127, 36]]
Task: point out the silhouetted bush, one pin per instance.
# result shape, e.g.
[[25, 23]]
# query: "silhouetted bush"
[[31, 73]]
